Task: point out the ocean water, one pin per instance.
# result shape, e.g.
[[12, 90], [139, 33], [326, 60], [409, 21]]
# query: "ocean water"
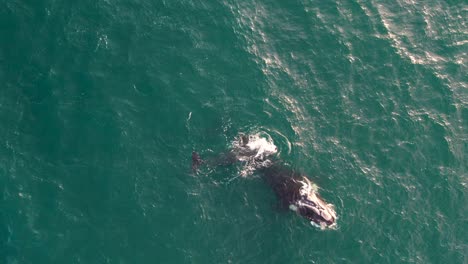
[[102, 103]]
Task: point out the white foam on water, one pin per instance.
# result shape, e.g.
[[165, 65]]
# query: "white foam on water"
[[255, 153]]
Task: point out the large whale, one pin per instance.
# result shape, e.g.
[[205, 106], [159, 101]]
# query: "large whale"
[[293, 189], [296, 192]]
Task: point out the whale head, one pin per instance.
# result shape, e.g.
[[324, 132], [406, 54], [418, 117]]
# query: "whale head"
[[313, 207]]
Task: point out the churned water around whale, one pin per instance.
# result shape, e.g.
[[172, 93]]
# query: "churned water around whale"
[[103, 102]]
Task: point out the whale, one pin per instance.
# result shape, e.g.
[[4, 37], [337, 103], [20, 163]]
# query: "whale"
[[298, 193], [293, 189]]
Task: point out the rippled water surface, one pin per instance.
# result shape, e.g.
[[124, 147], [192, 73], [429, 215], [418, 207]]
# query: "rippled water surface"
[[103, 102]]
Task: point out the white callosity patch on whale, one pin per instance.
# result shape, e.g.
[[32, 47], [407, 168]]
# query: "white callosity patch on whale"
[[321, 208], [293, 207], [253, 151]]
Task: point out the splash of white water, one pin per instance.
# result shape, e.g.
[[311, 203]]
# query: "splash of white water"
[[253, 151]]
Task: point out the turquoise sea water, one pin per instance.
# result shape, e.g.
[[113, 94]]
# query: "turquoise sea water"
[[102, 103]]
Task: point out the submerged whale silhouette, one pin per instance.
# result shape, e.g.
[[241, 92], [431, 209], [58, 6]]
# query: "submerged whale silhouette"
[[293, 189]]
